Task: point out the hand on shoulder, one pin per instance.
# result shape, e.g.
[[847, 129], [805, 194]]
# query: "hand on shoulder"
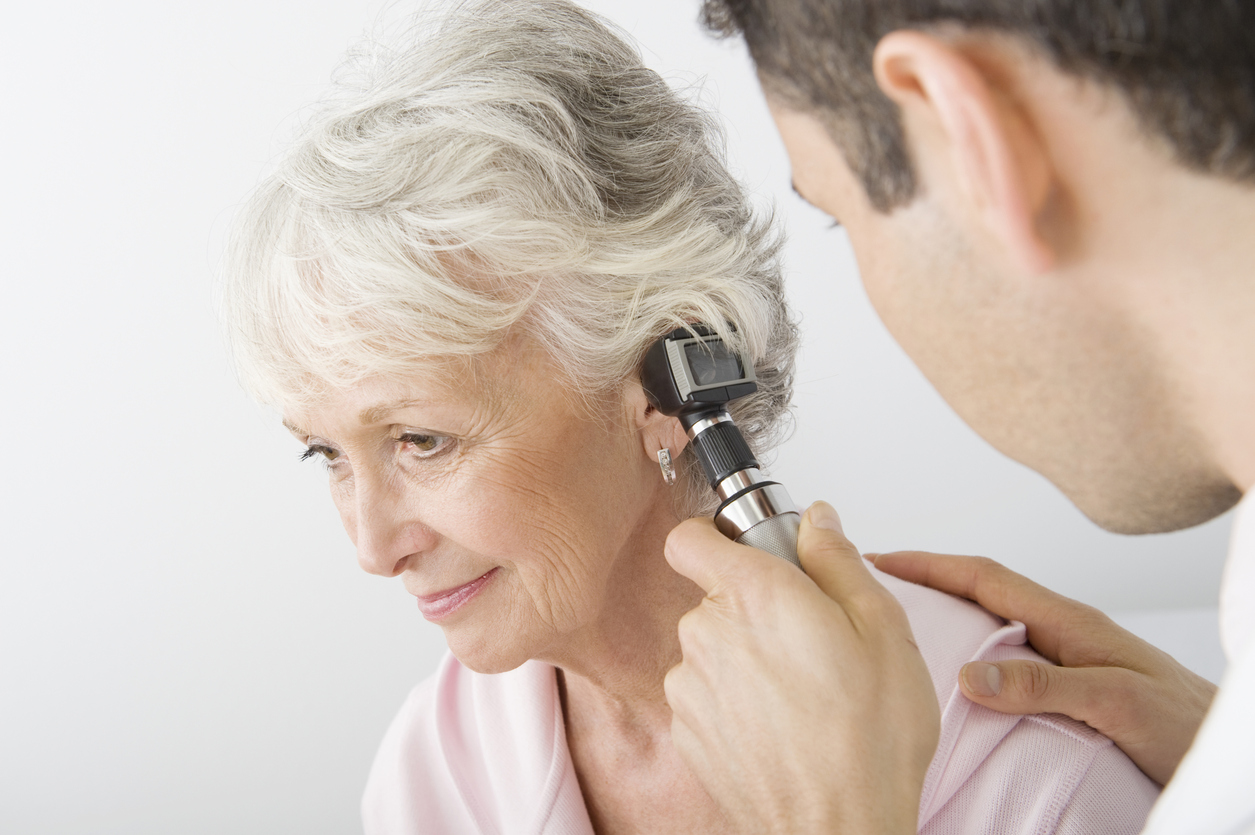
[[1130, 691]]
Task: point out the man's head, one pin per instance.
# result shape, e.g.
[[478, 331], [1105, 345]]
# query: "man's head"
[[1028, 187], [1186, 68]]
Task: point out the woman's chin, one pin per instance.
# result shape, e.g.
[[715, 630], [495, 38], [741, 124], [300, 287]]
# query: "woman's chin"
[[500, 630], [484, 656]]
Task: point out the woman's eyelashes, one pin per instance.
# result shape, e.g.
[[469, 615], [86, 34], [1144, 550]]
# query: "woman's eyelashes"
[[314, 450], [411, 444], [424, 444]]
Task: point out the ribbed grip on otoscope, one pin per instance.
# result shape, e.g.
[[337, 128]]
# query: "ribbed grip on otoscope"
[[722, 450], [762, 516], [777, 535]]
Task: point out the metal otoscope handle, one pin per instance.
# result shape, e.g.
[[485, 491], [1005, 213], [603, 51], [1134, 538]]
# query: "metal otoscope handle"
[[691, 374], [754, 511]]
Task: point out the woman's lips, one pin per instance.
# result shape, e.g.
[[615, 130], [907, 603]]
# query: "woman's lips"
[[438, 606]]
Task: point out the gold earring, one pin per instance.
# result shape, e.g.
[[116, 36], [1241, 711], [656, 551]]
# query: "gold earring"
[[664, 462]]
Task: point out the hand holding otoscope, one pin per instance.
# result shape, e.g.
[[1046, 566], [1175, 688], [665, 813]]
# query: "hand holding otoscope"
[[692, 374]]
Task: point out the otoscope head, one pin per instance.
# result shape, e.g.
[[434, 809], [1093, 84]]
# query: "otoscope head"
[[691, 372]]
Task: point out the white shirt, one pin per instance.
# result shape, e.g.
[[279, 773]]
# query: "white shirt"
[[1213, 791]]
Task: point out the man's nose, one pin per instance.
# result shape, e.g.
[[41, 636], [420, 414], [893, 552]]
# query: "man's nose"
[[385, 528]]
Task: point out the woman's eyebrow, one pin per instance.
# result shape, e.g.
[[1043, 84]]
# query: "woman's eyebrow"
[[294, 429], [375, 414]]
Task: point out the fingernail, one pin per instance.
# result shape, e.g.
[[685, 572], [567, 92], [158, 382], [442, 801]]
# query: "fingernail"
[[982, 679], [823, 515]]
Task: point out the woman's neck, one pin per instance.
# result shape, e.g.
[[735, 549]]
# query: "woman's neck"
[[610, 679], [612, 670]]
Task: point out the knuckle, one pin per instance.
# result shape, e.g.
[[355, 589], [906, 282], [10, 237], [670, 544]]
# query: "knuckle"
[[1115, 704], [685, 528], [821, 541], [687, 630], [878, 616], [694, 633], [1122, 690], [677, 539], [750, 594], [874, 604], [987, 565], [834, 546], [1034, 681], [980, 573], [676, 689], [673, 685], [1088, 617], [754, 599], [1093, 639]]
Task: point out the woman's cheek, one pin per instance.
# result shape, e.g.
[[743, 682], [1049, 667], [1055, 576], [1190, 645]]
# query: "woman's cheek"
[[557, 581]]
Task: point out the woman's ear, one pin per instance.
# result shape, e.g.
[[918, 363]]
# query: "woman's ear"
[[959, 115], [657, 431]]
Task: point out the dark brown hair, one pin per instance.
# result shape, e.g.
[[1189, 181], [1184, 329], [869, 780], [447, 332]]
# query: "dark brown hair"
[[1186, 67]]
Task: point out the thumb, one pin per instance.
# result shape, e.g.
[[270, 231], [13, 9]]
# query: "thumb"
[[827, 556], [1023, 687]]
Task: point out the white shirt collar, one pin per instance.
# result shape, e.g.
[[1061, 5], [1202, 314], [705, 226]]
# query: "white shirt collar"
[[1237, 588]]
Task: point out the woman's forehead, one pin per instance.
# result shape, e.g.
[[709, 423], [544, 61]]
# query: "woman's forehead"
[[373, 400], [440, 389]]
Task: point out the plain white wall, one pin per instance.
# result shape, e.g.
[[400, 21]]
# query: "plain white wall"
[[186, 644]]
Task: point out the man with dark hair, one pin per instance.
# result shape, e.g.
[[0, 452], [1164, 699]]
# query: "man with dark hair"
[[1052, 203]]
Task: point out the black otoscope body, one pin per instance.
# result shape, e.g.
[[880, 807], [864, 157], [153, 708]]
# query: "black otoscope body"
[[691, 374]]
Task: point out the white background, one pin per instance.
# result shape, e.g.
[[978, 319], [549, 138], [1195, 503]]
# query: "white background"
[[186, 643]]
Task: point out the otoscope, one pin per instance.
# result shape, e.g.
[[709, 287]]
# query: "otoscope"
[[692, 374]]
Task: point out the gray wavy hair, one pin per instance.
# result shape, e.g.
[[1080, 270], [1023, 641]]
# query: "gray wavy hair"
[[506, 168]]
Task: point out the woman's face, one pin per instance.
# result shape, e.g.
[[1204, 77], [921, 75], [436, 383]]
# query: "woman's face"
[[503, 507]]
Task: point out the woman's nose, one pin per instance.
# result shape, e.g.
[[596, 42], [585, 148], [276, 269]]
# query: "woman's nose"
[[385, 530]]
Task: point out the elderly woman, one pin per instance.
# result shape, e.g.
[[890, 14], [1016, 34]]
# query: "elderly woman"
[[447, 289]]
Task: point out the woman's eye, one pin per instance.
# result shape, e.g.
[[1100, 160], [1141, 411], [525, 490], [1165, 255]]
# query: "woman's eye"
[[314, 450], [424, 443]]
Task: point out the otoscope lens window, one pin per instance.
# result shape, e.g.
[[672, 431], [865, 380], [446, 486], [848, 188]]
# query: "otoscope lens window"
[[712, 363]]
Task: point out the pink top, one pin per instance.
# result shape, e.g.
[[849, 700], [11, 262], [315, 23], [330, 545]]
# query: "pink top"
[[475, 753]]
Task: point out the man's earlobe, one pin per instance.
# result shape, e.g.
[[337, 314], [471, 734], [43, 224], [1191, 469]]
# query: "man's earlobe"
[[956, 117]]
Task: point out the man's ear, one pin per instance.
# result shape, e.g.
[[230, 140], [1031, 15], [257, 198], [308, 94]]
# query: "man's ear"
[[657, 431], [961, 116]]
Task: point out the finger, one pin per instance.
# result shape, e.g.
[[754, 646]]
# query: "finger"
[[697, 550], [976, 578], [1154, 726], [1025, 687], [1047, 614], [688, 745], [833, 562]]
